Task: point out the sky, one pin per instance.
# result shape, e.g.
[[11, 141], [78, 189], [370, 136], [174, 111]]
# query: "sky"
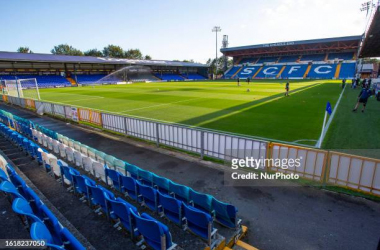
[[172, 29]]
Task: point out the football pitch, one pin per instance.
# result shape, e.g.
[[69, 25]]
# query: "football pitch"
[[259, 109]]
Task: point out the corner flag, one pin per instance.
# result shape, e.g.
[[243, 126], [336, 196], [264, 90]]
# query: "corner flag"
[[328, 108]]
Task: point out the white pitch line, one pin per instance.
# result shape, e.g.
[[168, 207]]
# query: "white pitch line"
[[159, 105]]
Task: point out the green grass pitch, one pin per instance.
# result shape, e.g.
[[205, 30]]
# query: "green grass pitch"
[[263, 111]]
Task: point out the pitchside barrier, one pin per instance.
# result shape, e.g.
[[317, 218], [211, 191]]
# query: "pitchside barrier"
[[326, 167]]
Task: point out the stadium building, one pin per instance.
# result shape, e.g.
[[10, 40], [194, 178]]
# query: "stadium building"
[[61, 70], [329, 58]]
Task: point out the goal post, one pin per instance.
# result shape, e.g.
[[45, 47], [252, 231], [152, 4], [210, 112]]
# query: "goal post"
[[23, 88]]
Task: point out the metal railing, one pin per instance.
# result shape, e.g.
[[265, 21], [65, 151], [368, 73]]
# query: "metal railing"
[[323, 166]]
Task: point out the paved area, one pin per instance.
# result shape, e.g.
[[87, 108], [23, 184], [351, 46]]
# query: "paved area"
[[278, 217]]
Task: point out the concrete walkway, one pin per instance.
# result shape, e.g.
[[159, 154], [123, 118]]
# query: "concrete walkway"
[[278, 217]]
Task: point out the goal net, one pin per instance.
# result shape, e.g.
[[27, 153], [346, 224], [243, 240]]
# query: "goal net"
[[24, 88]]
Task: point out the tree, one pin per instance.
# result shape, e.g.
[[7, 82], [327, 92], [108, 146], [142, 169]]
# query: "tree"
[[147, 57], [65, 49], [220, 64], [24, 50], [190, 61], [133, 54], [113, 51], [93, 52]]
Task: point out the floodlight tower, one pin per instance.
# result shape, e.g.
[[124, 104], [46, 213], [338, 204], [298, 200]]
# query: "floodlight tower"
[[225, 45], [216, 29]]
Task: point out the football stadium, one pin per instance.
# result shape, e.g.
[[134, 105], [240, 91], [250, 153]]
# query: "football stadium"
[[267, 146]]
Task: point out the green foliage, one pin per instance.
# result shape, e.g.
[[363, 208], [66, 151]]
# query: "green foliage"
[[147, 57], [133, 54], [93, 52], [113, 51], [65, 49], [24, 50]]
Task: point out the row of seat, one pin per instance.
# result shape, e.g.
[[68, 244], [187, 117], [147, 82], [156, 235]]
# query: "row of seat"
[[224, 213], [38, 218], [159, 194], [154, 232], [156, 198]]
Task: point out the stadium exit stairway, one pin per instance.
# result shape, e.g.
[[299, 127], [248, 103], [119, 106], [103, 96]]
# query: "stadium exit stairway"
[[72, 81]]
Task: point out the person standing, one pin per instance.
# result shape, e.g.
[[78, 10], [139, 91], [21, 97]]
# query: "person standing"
[[363, 98], [343, 83], [238, 81], [287, 89], [369, 82], [248, 80]]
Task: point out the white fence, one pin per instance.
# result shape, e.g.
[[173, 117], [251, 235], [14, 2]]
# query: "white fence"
[[327, 167]]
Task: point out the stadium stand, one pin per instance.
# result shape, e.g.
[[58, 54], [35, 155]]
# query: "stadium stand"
[[267, 59], [43, 81], [169, 77], [247, 72], [35, 215], [322, 71], [193, 76], [313, 57], [347, 70], [88, 79], [185, 207], [296, 71], [286, 59], [232, 71], [248, 60], [341, 56], [269, 71]]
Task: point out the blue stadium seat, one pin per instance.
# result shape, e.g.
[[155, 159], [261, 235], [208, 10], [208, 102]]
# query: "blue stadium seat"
[[313, 57], [52, 223], [341, 56], [129, 187], [170, 207], [287, 59], [294, 71], [193, 76], [161, 183], [156, 234], [248, 72], [147, 195], [231, 72], [132, 170], [38, 231], [145, 177], [225, 214], [69, 241], [347, 70], [34, 201], [169, 76], [268, 59], [200, 223], [80, 186], [97, 198], [22, 207], [67, 174], [180, 192], [10, 189], [114, 177], [322, 71], [201, 201], [269, 71], [120, 210]]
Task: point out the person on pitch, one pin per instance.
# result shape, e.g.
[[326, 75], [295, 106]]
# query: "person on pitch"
[[287, 89]]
